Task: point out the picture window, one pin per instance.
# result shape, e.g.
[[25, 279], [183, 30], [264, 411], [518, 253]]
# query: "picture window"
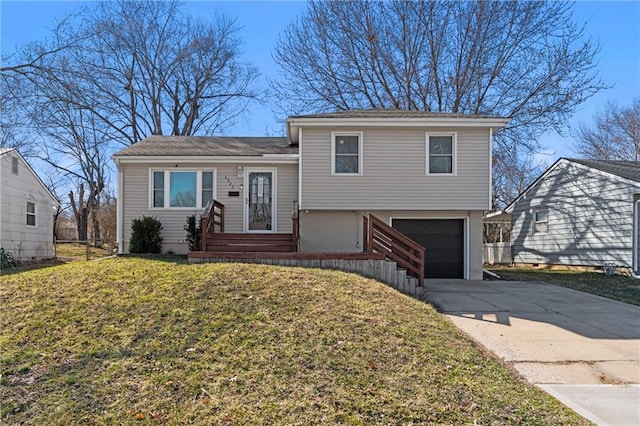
[[182, 188]]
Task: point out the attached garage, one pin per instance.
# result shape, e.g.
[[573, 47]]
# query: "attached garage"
[[444, 241]]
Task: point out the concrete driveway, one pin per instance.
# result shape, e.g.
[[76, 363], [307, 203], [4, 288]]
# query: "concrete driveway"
[[582, 349]]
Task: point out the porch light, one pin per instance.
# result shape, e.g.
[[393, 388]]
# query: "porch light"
[[240, 171]]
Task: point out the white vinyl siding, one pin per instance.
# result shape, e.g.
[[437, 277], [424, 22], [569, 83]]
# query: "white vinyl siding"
[[137, 195], [394, 167], [591, 215], [26, 211]]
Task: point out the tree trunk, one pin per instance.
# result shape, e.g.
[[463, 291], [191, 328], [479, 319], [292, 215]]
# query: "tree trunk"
[[80, 213]]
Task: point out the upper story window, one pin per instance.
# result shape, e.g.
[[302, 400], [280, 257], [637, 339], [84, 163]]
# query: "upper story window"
[[540, 221], [182, 188], [441, 153], [14, 165], [31, 213], [346, 153]]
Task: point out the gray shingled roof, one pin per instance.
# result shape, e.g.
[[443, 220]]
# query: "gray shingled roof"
[[183, 146], [626, 169], [389, 113]]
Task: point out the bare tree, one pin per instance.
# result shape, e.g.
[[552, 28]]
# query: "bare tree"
[[523, 60], [115, 73], [80, 209], [155, 70], [614, 134], [107, 216]]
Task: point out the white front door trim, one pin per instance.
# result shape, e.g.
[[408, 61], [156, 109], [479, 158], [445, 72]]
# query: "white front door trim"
[[274, 198]]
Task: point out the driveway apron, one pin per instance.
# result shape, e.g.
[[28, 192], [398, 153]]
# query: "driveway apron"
[[581, 348]]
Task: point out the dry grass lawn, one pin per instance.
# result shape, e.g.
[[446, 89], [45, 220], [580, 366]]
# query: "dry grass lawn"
[[77, 251], [616, 287], [143, 341]]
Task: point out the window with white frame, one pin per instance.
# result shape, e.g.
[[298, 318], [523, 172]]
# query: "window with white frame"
[[31, 213], [441, 153], [346, 153], [14, 165], [182, 188], [540, 221]]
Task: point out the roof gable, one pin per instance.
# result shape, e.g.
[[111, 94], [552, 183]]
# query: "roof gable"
[[625, 169], [4, 151], [629, 170]]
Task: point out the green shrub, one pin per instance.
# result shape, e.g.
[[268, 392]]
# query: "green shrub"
[[194, 229], [146, 235], [7, 260]]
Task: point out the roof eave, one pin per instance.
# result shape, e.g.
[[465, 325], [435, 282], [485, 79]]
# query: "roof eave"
[[253, 159], [294, 123]]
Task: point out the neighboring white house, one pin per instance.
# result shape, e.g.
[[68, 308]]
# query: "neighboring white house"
[[26, 209], [428, 175], [579, 213]]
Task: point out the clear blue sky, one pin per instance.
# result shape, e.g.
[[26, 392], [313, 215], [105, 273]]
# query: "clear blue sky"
[[615, 25]]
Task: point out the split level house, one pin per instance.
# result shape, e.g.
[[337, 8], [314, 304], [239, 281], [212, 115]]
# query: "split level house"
[[424, 175], [27, 208], [579, 213]]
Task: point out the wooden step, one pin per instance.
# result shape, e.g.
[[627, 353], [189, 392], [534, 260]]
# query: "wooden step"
[[250, 248], [250, 237], [238, 243]]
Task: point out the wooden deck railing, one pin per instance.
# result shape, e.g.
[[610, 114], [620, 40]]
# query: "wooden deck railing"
[[295, 222], [213, 216], [381, 238]]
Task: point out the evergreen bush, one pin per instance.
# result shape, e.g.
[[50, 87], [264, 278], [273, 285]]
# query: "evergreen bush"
[[7, 260], [146, 236], [194, 229]]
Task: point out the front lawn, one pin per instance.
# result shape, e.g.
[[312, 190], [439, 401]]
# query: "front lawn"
[[79, 251], [616, 287], [142, 341]]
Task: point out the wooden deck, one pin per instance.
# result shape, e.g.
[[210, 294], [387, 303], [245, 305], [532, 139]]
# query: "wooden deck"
[[388, 254], [249, 243]]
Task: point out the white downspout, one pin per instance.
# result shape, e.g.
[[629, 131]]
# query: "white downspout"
[[120, 210], [490, 168], [634, 244]]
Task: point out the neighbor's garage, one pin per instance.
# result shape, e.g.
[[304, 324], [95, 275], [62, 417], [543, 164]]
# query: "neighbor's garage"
[[443, 240]]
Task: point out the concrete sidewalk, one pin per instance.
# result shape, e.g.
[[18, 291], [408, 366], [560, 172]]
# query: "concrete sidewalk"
[[582, 349]]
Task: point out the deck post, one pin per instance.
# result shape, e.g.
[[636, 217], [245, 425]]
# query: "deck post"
[[203, 239], [295, 225], [221, 207]]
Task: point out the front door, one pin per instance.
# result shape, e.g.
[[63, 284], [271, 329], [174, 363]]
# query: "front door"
[[260, 201]]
